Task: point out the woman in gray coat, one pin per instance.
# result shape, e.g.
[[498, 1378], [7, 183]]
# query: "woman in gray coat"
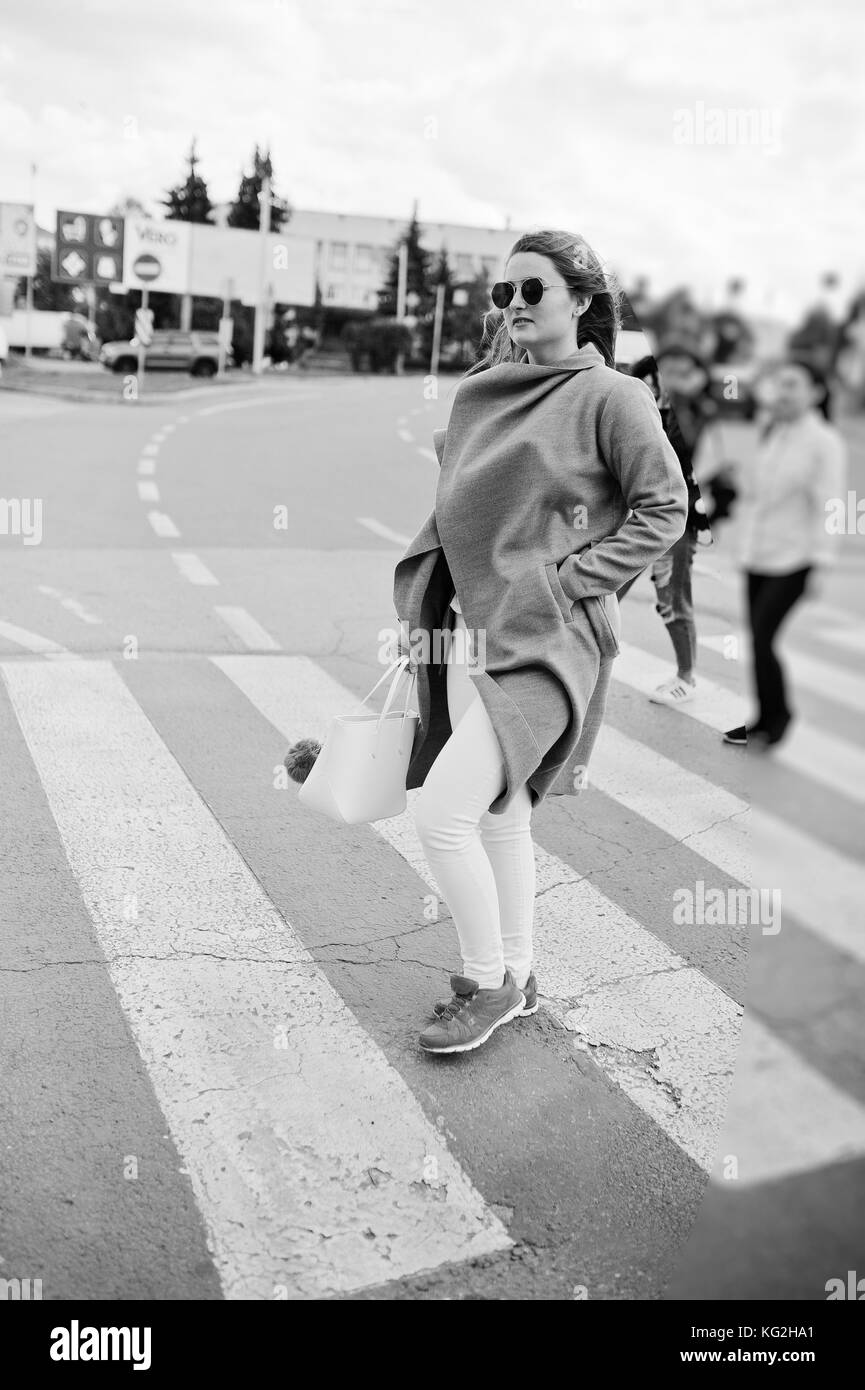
[[557, 484]]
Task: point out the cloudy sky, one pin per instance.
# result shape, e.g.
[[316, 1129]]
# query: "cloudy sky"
[[617, 118]]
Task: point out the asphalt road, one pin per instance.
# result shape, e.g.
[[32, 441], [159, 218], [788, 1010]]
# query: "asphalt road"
[[211, 998]]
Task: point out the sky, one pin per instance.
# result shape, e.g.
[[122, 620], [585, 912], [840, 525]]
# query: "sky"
[[689, 141]]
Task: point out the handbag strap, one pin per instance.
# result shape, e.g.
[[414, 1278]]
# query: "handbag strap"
[[399, 661]]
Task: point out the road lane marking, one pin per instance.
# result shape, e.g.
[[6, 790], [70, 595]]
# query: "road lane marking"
[[586, 946], [192, 568], [258, 400], [381, 530], [312, 1162], [406, 436], [31, 641], [146, 466], [740, 841], [148, 492], [150, 449], [72, 605], [428, 453], [833, 762], [163, 525], [247, 628]]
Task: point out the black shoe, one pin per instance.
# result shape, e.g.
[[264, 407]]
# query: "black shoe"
[[747, 733], [737, 736]]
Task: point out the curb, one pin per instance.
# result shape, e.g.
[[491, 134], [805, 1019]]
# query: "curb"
[[81, 395]]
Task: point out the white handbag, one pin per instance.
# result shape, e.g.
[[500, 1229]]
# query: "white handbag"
[[360, 773]]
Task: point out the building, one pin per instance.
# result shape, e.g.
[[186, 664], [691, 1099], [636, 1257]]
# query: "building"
[[353, 250]]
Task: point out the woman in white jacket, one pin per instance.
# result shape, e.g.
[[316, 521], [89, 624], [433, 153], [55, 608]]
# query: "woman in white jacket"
[[783, 514]]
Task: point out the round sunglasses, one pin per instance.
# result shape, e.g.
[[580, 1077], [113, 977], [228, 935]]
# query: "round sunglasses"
[[533, 288]]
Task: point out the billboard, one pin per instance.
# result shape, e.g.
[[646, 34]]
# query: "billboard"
[[88, 248], [195, 258], [17, 239]]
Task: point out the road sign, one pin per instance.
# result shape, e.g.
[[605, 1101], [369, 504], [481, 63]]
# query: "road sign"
[[144, 326], [88, 249], [17, 239], [147, 268]]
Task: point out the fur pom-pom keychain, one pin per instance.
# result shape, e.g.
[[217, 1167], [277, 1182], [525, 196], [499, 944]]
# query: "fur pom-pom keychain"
[[300, 758]]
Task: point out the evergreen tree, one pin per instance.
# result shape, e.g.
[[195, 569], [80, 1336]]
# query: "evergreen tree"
[[246, 208], [189, 201], [418, 278]]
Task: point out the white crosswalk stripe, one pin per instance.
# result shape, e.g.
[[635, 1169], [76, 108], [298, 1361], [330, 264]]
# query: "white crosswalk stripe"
[[232, 978], [745, 843], [620, 989], [824, 678], [212, 979], [834, 762]]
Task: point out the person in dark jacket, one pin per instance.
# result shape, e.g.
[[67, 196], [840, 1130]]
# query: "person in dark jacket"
[[677, 378]]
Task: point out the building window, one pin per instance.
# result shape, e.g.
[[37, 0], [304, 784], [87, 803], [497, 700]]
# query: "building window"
[[491, 266], [338, 259], [364, 258], [465, 268]]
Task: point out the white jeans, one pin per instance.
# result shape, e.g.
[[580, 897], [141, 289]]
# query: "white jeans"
[[484, 864]]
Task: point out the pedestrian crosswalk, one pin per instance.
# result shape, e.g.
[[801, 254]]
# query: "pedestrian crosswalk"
[[315, 1157]]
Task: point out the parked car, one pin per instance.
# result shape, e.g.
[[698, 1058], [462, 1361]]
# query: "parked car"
[[170, 350]]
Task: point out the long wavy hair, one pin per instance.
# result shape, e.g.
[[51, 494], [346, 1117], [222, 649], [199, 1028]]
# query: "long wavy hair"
[[582, 272]]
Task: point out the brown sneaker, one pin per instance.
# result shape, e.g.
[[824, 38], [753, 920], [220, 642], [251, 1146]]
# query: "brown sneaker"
[[473, 1019]]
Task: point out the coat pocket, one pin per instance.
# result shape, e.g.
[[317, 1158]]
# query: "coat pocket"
[[566, 605], [599, 617]]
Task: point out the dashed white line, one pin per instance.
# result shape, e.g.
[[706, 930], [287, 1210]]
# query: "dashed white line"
[[148, 492], [248, 629], [192, 568], [150, 449], [406, 436], [146, 466], [381, 530], [72, 605], [31, 641], [427, 453], [163, 525]]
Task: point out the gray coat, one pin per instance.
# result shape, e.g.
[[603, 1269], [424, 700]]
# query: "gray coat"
[[556, 484]]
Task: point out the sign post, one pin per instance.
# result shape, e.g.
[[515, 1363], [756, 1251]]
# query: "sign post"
[[437, 329], [262, 296], [226, 327]]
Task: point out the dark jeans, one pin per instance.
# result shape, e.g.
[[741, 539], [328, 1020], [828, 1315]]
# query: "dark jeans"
[[671, 576], [770, 599]]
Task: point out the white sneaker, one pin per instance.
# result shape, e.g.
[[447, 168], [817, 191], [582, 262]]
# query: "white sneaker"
[[675, 691]]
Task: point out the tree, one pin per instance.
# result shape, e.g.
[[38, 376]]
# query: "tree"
[[246, 208], [466, 321], [47, 293], [129, 207], [440, 274], [418, 279], [189, 201]]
